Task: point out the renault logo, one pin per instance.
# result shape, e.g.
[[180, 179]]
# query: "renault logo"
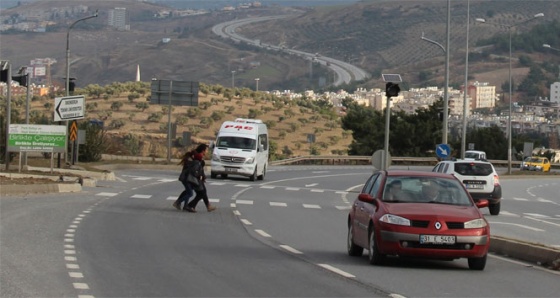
[[438, 225]]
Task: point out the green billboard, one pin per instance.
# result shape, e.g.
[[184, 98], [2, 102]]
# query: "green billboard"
[[43, 138]]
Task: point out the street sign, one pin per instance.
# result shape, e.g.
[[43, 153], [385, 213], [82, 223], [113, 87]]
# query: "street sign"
[[69, 108], [41, 138], [443, 150], [73, 131], [176, 93]]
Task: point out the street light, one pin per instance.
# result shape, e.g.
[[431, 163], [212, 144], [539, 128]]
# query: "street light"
[[549, 47], [68, 50], [446, 88], [509, 27], [257, 82], [464, 133], [233, 79]]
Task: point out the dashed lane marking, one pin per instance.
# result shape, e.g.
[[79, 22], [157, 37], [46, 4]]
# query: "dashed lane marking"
[[141, 196]]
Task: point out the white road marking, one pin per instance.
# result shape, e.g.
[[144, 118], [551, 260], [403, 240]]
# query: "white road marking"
[[311, 206], [81, 286], [86, 296], [517, 225], [343, 207], [268, 187], [244, 202], [70, 259], [317, 190], [246, 222], [214, 200], [141, 196], [107, 194], [545, 200], [242, 185], [76, 274], [142, 178], [171, 198], [292, 188], [278, 204], [336, 270], [505, 213], [535, 215], [291, 249], [72, 266], [310, 185], [236, 212], [120, 179], [69, 252], [262, 233]]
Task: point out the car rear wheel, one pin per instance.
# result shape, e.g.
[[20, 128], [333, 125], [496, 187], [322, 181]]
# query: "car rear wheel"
[[494, 208], [224, 176], [477, 263], [353, 249], [375, 258]]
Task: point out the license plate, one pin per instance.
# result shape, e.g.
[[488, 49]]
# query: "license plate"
[[231, 170], [474, 186], [437, 239]]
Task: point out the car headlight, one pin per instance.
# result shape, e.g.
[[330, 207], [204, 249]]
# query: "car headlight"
[[395, 220], [215, 157], [250, 160], [476, 223]]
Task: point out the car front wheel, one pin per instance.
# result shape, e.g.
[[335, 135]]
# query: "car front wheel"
[[375, 258], [353, 249], [477, 263]]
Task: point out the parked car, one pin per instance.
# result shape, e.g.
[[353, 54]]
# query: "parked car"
[[475, 154], [536, 163], [480, 179], [417, 214]]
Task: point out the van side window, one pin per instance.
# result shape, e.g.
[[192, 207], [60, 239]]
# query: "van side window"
[[263, 140]]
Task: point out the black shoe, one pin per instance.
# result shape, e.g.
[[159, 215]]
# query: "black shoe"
[[177, 205], [189, 209]]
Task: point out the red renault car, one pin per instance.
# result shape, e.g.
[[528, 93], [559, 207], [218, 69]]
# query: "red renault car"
[[418, 214]]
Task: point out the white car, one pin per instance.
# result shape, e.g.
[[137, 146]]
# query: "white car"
[[479, 177]]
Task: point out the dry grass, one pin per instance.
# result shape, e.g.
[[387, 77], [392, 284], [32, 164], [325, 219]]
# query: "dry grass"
[[153, 139]]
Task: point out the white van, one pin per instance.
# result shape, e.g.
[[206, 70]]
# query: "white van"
[[476, 155], [241, 148]]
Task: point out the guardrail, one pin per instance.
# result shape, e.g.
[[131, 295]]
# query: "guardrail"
[[327, 160]]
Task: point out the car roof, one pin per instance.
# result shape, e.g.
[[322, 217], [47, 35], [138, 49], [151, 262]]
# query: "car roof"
[[468, 160]]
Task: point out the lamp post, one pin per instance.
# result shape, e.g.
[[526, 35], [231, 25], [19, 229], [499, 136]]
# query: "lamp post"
[[549, 47], [465, 105], [68, 50], [233, 79], [446, 87], [257, 82], [510, 130]]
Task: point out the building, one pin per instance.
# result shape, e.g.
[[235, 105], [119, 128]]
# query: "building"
[[555, 92], [118, 19], [482, 95]]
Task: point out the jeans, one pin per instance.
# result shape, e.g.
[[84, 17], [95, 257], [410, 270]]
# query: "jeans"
[[186, 194]]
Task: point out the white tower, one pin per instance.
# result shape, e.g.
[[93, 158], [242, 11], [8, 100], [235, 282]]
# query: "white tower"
[[138, 73]]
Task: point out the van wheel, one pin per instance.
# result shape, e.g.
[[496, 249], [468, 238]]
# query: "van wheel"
[[224, 176], [261, 177], [254, 176]]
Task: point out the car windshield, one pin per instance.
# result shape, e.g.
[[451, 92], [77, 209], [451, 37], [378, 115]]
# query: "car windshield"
[[472, 155], [236, 142], [406, 189], [535, 160], [473, 169]]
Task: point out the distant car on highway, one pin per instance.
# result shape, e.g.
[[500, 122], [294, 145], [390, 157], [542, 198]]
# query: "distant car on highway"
[[417, 214], [536, 163], [479, 177]]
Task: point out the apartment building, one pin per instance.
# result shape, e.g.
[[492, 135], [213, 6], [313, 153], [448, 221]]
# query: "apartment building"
[[118, 19]]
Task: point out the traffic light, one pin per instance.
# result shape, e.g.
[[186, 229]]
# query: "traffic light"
[[21, 79], [392, 90], [71, 84]]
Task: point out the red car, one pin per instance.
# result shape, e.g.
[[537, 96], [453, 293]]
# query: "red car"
[[418, 214]]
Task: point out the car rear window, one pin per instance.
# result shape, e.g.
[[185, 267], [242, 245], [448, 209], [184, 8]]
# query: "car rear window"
[[473, 169]]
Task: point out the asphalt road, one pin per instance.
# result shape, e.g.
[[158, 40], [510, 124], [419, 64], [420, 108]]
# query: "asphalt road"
[[284, 236]]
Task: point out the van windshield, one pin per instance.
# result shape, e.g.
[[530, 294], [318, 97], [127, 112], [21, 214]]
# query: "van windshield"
[[474, 155], [236, 142]]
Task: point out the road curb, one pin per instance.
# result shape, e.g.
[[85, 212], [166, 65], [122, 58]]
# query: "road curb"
[[537, 254], [6, 190]]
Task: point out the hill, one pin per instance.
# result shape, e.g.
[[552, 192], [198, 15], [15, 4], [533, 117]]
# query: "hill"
[[137, 128], [379, 36]]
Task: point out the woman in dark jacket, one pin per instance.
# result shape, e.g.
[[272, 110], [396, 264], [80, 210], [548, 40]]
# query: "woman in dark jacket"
[[200, 190], [187, 162]]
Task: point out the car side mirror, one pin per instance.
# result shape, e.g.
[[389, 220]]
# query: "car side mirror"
[[367, 198], [212, 145], [483, 203]]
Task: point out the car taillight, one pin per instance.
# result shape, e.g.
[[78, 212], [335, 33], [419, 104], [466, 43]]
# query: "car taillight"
[[496, 180]]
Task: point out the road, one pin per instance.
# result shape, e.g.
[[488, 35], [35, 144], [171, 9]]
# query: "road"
[[345, 72], [284, 236]]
